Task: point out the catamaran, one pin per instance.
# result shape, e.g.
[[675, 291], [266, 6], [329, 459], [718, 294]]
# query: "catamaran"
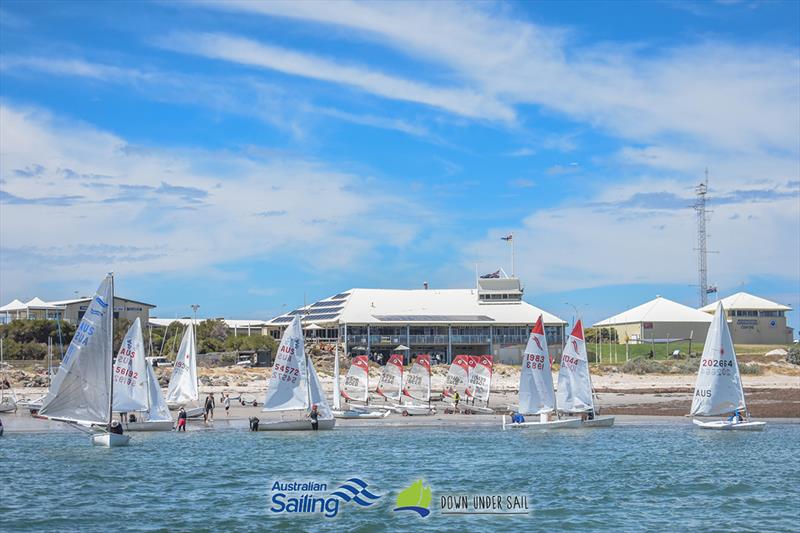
[[81, 393], [417, 388], [575, 383], [294, 387], [8, 401], [536, 394], [136, 389], [718, 390], [183, 384], [355, 388], [479, 384]]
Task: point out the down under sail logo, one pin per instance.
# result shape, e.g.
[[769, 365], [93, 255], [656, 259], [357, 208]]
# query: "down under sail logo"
[[415, 498], [313, 498]]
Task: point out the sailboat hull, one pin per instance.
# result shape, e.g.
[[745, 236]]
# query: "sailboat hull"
[[353, 413], [191, 412], [568, 423], [598, 422], [110, 440], [726, 425], [414, 410], [294, 425], [154, 425], [7, 407]]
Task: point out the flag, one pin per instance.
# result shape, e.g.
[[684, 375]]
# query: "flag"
[[508, 238], [492, 275]]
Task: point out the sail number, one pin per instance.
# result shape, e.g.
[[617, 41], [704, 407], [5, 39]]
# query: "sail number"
[[534, 361], [717, 362], [414, 380], [285, 373], [569, 361], [350, 381], [454, 380]]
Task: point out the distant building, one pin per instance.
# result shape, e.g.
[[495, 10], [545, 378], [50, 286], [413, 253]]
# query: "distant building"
[[754, 320], [71, 310], [492, 319], [235, 327], [658, 320]]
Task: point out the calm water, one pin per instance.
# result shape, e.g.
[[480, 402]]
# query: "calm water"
[[633, 477]]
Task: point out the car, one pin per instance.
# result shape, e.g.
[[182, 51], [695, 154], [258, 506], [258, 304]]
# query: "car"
[[157, 361]]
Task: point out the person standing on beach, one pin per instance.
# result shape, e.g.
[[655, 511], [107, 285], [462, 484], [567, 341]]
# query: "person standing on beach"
[[182, 420], [314, 416], [226, 401], [209, 409], [456, 398]]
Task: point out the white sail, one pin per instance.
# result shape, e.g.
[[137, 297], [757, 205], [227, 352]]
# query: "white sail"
[[457, 376], [183, 382], [391, 380], [356, 383], [536, 394], [130, 372], [81, 390], [317, 394], [288, 385], [574, 385], [480, 377], [719, 386], [337, 393], [417, 384], [157, 409]]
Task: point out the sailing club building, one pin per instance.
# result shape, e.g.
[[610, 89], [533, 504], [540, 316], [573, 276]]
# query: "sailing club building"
[[491, 318]]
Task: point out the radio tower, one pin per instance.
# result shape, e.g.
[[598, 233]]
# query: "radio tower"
[[702, 253]]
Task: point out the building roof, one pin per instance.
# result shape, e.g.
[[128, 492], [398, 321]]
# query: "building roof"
[[38, 303], [743, 300], [87, 298], [657, 310], [416, 306], [14, 305], [231, 323]]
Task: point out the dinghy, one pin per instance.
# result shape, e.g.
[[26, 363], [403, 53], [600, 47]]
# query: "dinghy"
[[536, 395], [575, 383], [456, 380], [479, 384], [417, 388], [8, 400], [356, 376], [390, 384], [718, 390], [183, 390], [82, 392], [136, 388], [294, 387]]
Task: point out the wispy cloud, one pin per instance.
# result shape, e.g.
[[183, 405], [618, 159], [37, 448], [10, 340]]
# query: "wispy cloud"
[[10, 199]]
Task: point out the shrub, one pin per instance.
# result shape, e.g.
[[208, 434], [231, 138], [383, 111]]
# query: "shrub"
[[751, 368], [793, 356]]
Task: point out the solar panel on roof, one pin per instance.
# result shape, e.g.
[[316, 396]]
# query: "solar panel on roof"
[[433, 318], [326, 304], [340, 296]]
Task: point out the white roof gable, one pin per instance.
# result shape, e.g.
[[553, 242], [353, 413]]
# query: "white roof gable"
[[231, 323], [38, 303], [14, 305], [424, 306], [743, 300], [657, 310]]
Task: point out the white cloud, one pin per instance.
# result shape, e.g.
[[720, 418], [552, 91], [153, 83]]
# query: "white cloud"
[[173, 211]]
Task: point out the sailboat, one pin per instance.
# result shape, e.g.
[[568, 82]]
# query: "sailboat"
[[82, 391], [356, 388], [390, 384], [718, 390], [183, 387], [536, 394], [479, 384], [136, 388], [417, 387], [457, 379], [294, 386], [8, 402], [575, 384]]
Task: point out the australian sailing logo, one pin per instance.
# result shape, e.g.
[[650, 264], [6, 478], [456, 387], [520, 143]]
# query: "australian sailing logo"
[[313, 498]]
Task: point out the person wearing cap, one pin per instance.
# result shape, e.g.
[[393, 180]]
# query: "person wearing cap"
[[116, 427], [314, 416]]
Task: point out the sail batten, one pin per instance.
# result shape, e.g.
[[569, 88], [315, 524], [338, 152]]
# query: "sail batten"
[[718, 389], [81, 391]]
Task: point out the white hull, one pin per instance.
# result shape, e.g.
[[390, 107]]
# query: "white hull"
[[157, 425], [110, 440], [352, 413], [294, 425], [192, 412], [369, 408], [7, 407], [552, 424], [598, 422], [414, 410], [476, 410], [726, 425]]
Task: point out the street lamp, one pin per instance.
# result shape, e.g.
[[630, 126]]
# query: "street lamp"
[[195, 307]]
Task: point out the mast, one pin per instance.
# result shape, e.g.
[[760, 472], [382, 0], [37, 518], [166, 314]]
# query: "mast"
[[111, 353]]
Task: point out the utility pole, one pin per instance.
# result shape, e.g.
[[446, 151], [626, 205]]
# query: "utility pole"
[[702, 253]]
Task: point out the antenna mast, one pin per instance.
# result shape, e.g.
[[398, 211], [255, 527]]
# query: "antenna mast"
[[702, 253]]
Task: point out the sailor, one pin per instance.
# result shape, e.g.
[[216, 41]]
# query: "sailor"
[[116, 427], [456, 398], [736, 417], [314, 416], [181, 420], [253, 423]]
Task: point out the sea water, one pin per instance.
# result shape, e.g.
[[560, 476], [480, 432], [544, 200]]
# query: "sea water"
[[655, 476]]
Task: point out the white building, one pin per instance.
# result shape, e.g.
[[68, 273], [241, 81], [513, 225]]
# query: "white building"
[[754, 320], [489, 319], [658, 320], [71, 310], [235, 327]]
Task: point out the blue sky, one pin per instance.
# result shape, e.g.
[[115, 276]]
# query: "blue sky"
[[245, 155]]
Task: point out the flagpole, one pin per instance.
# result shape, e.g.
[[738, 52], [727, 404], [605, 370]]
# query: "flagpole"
[[513, 270]]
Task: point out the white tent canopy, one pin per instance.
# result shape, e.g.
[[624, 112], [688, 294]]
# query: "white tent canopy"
[[14, 305], [657, 310]]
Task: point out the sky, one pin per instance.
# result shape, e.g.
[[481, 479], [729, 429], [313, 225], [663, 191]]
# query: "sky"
[[249, 156]]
